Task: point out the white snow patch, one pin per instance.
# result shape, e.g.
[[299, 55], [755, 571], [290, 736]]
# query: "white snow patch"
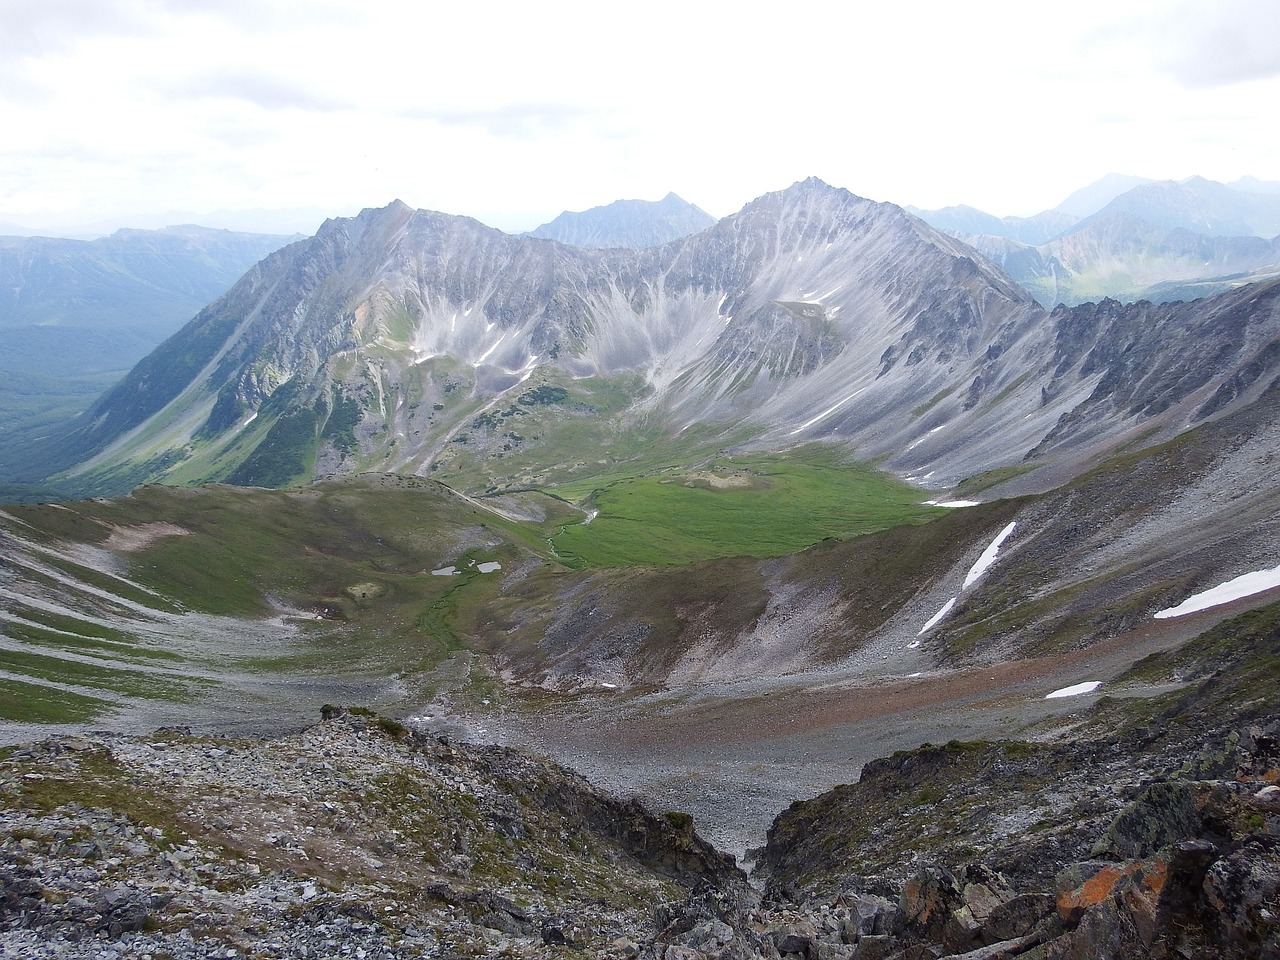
[[485, 356], [591, 516], [444, 572], [609, 686], [252, 417], [827, 412], [1075, 690], [1243, 586], [988, 556], [916, 443], [489, 567], [937, 617], [954, 504]]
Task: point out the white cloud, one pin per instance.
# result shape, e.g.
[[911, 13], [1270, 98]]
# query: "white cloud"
[[512, 112]]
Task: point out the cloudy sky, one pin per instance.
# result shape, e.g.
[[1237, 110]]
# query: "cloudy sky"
[[136, 112]]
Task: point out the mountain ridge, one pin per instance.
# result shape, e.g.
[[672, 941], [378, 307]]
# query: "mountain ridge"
[[634, 224], [576, 310]]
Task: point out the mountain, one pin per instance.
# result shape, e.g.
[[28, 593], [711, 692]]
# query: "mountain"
[[1254, 185], [965, 221], [1090, 199], [76, 315], [634, 224], [132, 286], [1158, 241], [422, 331], [1119, 255], [1199, 205], [628, 529], [431, 344]]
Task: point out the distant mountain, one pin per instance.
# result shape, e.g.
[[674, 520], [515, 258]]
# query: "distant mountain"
[[1159, 240], [1124, 257], [75, 315], [1089, 200], [1254, 185], [1201, 206], [969, 221], [80, 306], [8, 229], [634, 224]]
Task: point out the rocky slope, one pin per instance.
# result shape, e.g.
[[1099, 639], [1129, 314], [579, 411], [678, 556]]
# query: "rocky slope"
[[1142, 828], [356, 837]]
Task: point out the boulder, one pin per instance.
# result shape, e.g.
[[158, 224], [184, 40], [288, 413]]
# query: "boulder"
[[927, 902], [1161, 815]]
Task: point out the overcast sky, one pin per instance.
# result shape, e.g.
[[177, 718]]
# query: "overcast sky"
[[128, 112]]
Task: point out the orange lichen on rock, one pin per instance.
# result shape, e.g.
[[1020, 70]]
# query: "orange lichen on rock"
[[1142, 894]]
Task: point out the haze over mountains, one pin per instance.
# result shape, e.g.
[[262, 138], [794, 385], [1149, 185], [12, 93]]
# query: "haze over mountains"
[[75, 315], [1131, 239]]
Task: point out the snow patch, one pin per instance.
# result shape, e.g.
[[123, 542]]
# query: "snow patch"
[[1243, 586], [1075, 690], [827, 412], [489, 567], [445, 572], [485, 356], [988, 556], [937, 617], [953, 504]]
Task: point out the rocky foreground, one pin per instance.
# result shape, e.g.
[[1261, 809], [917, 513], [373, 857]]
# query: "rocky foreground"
[[1151, 830]]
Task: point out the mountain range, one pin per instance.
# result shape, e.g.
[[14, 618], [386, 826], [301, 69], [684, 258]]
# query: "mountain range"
[[1132, 239], [75, 315], [430, 344], [743, 523]]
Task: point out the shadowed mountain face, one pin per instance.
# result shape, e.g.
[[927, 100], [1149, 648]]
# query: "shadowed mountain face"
[[75, 315]]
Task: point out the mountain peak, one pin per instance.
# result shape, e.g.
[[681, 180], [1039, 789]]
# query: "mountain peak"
[[634, 224], [1092, 198]]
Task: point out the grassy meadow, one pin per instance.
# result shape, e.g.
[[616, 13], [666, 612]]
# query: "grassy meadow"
[[762, 505]]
